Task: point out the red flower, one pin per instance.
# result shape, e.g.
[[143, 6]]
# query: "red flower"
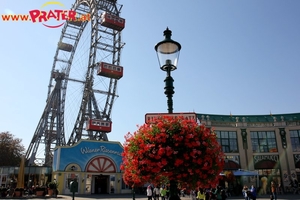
[[173, 149]]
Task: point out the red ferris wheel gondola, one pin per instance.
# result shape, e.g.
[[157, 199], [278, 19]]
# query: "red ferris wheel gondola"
[[110, 71]]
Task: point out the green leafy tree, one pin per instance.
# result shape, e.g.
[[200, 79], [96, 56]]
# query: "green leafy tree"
[[11, 149]]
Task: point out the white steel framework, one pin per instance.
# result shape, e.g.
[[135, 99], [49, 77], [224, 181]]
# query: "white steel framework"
[[75, 92]]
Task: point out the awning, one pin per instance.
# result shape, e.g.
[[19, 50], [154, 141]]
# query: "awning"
[[245, 173]]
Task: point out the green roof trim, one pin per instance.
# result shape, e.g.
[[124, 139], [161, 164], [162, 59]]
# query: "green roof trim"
[[250, 118]]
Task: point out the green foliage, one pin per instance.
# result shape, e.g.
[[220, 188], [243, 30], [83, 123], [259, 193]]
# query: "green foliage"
[[11, 149], [52, 185]]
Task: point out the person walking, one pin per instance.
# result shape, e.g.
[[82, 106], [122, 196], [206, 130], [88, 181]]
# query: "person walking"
[[218, 193], [213, 193], [193, 194], [223, 194], [253, 192], [273, 191], [245, 192], [163, 193], [296, 186], [156, 193], [167, 193], [200, 194], [149, 192]]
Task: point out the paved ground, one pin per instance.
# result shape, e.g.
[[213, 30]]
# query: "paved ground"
[[143, 197]]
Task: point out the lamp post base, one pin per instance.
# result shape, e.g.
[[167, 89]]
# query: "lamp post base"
[[174, 198], [174, 191]]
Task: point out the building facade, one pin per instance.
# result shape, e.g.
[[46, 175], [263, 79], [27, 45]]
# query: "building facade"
[[94, 164], [33, 175], [267, 144]]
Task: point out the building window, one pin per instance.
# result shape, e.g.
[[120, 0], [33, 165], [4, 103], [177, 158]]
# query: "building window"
[[124, 186], [263, 141], [295, 140], [228, 141]]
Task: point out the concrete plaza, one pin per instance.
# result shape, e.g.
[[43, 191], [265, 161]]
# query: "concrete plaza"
[[143, 197]]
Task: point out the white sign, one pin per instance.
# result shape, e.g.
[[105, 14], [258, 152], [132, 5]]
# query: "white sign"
[[149, 117]]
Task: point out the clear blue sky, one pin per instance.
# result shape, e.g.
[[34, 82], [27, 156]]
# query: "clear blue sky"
[[239, 57]]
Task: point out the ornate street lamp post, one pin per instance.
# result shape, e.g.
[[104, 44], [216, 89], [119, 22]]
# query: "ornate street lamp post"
[[168, 53]]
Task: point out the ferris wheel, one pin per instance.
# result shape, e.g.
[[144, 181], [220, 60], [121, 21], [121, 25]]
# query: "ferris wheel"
[[83, 80]]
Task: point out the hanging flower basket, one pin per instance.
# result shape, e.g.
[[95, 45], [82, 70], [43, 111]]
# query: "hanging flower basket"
[[174, 149]]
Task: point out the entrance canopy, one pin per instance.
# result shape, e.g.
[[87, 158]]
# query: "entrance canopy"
[[245, 173]]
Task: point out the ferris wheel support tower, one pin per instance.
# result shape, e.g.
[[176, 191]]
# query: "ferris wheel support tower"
[[83, 81]]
